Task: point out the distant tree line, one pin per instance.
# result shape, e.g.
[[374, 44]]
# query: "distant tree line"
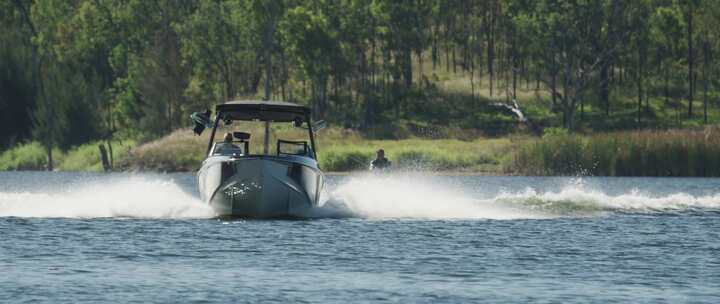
[[80, 70]]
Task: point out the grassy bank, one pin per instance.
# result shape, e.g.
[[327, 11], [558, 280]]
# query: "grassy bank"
[[642, 153], [338, 150]]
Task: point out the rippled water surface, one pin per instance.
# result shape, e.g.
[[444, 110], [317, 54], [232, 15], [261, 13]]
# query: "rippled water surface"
[[71, 237]]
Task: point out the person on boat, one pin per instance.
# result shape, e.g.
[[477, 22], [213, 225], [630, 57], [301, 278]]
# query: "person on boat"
[[380, 162], [227, 146]]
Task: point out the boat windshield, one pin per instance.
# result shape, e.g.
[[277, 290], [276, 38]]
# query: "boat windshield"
[[288, 147], [283, 140]]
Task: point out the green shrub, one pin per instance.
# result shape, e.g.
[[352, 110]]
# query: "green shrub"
[[30, 156], [86, 157]]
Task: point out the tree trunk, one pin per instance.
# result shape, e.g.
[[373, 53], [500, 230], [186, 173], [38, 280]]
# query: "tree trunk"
[[512, 56], [690, 61], [706, 75], [434, 47], [491, 48], [640, 78], [666, 88], [447, 47], [268, 59], [639, 93], [110, 151], [454, 61], [605, 87], [514, 81], [407, 67], [284, 69], [553, 82], [420, 67]]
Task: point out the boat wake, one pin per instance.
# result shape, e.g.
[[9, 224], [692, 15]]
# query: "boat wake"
[[372, 197], [132, 197], [414, 197]]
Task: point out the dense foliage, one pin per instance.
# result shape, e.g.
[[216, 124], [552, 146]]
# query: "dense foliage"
[[84, 70]]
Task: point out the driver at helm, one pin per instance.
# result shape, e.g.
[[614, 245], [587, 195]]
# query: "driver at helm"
[[227, 146]]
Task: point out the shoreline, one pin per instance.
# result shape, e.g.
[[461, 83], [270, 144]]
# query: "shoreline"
[[365, 173], [328, 173], [672, 153]]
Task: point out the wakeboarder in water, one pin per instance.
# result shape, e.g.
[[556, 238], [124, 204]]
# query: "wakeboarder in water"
[[380, 162]]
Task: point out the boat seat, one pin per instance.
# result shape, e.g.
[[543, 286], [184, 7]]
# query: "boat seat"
[[222, 148], [241, 136]]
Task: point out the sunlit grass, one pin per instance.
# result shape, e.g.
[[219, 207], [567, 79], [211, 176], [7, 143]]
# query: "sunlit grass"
[[338, 150]]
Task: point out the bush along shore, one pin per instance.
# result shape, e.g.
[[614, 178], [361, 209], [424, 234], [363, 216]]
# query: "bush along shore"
[[641, 153], [86, 157]]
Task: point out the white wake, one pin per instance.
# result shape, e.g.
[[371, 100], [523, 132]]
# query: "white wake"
[[364, 196], [134, 197], [395, 196]]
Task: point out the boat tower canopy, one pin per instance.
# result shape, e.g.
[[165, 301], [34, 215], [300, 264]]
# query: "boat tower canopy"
[[277, 111]]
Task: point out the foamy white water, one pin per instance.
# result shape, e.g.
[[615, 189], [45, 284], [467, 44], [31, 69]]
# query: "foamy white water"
[[578, 198], [414, 197], [364, 196], [403, 196], [135, 197]]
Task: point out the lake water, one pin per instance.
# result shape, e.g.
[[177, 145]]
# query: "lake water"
[[142, 238]]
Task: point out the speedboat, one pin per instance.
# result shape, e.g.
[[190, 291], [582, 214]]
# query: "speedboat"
[[284, 183]]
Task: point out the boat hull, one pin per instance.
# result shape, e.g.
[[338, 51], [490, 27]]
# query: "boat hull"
[[260, 187]]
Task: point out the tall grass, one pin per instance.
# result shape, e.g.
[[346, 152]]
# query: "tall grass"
[[641, 153], [481, 155], [178, 151]]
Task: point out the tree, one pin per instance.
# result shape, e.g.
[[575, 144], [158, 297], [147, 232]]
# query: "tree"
[[308, 38], [708, 23], [569, 45]]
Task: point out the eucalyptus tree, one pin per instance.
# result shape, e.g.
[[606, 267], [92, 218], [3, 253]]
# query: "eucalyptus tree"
[[17, 78], [640, 43], [568, 30], [41, 20], [221, 50], [308, 37], [666, 29], [690, 10], [709, 35]]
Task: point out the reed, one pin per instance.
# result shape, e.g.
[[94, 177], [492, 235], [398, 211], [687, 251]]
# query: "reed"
[[642, 153]]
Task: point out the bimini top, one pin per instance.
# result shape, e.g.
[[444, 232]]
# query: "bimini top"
[[279, 111]]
